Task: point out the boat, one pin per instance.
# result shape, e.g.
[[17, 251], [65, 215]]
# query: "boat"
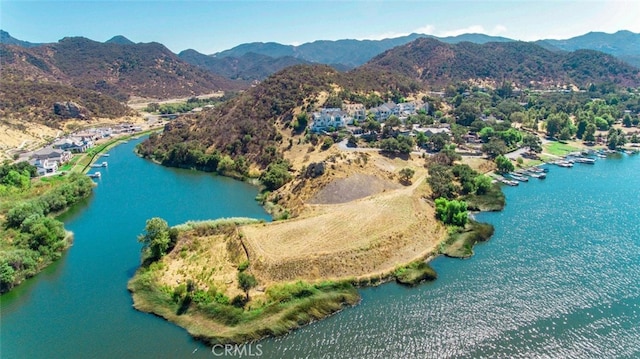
[[98, 165], [105, 155], [509, 182], [538, 175], [588, 161], [94, 175], [518, 177], [565, 164]]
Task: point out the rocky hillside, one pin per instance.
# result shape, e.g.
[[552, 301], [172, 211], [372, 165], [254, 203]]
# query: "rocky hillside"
[[120, 70], [50, 102], [525, 64]]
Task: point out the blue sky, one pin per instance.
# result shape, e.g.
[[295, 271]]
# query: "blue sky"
[[210, 26]]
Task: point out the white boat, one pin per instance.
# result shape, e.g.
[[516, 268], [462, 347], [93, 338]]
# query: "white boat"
[[588, 161]]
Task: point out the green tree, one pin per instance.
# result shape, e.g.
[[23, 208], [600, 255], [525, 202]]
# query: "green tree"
[[533, 142], [246, 282], [22, 211], [406, 174], [504, 164], [626, 121], [301, 122], [451, 212], [276, 175], [393, 121], [438, 141], [589, 133], [16, 179], [7, 277], [156, 238], [327, 143], [483, 184], [495, 147]]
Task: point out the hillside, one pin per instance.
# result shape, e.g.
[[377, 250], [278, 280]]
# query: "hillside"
[[625, 45], [7, 39], [120, 70], [244, 126], [249, 66], [437, 64]]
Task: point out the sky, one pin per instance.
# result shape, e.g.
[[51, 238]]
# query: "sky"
[[210, 26]]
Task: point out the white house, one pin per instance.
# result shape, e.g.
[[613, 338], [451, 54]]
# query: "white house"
[[45, 166], [356, 110], [382, 112], [330, 117], [51, 154]]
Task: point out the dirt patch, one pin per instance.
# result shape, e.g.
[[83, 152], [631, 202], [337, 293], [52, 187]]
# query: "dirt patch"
[[354, 187]]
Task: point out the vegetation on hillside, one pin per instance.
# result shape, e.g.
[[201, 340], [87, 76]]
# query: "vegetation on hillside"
[[114, 69], [205, 306], [527, 65], [30, 237], [32, 101]]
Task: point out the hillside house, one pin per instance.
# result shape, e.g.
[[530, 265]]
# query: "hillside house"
[[382, 112], [44, 167], [357, 111], [52, 154], [330, 117], [73, 144]]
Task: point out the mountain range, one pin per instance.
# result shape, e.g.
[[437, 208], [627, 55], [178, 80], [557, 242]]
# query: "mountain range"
[[120, 69], [257, 60], [113, 68]]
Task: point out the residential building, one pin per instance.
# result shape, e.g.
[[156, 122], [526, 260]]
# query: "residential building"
[[330, 117]]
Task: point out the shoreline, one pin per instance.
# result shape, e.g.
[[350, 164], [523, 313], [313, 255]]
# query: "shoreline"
[[151, 294]]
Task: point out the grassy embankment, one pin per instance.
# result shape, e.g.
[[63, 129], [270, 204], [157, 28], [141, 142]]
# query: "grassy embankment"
[[460, 242], [30, 238], [557, 149], [211, 254]]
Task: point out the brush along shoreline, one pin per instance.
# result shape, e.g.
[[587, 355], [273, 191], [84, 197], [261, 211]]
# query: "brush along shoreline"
[[239, 280]]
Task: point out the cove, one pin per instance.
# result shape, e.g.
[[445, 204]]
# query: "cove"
[[80, 307]]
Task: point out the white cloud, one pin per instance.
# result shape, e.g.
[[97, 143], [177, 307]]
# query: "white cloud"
[[474, 29], [427, 29], [431, 30]]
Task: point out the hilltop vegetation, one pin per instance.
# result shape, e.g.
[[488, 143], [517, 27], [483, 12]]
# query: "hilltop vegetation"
[[32, 101], [119, 70], [247, 67], [437, 64]]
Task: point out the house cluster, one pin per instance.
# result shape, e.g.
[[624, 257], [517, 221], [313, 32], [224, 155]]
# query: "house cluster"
[[49, 159], [336, 118], [330, 118]]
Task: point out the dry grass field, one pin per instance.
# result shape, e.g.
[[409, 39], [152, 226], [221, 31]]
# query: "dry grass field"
[[364, 237]]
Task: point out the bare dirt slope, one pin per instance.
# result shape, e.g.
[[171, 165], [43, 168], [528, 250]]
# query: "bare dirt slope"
[[354, 187]]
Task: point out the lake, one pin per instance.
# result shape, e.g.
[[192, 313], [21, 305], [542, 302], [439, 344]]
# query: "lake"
[[558, 279]]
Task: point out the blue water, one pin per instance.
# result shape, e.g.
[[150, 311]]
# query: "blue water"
[[558, 279], [80, 307]]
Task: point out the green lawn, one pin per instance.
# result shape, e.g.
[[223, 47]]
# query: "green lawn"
[[559, 148]]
